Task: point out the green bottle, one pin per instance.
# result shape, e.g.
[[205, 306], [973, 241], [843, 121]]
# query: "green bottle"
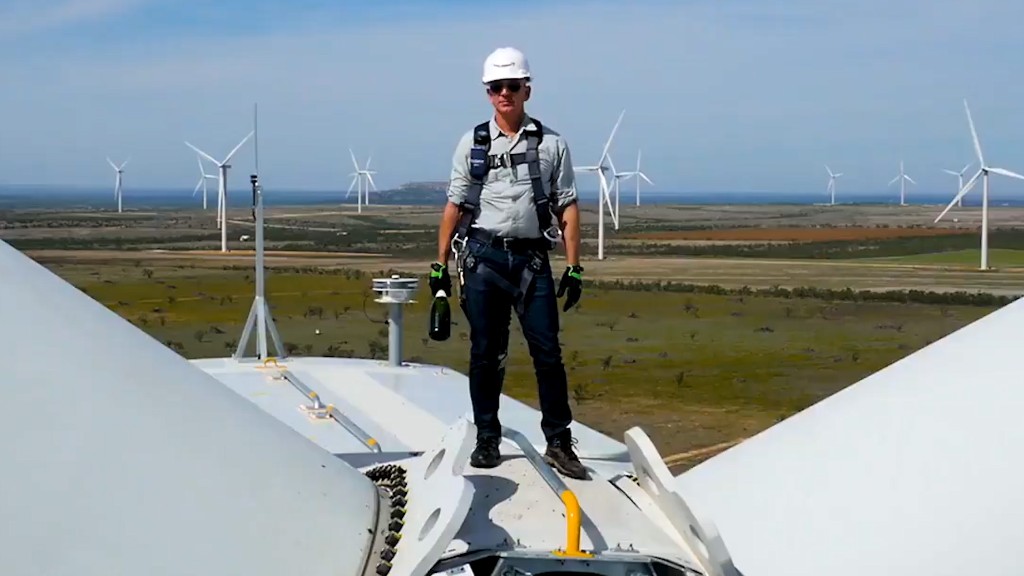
[[440, 317]]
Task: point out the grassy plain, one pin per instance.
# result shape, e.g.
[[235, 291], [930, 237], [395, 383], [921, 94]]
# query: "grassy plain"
[[695, 369]]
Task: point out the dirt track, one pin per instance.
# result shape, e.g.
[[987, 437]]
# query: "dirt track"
[[735, 272]]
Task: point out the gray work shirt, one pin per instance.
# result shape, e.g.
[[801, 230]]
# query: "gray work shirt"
[[506, 201]]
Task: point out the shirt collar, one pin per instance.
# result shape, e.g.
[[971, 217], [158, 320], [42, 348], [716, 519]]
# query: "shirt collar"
[[527, 124]]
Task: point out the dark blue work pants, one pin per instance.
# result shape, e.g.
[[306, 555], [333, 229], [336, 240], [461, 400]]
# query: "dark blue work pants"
[[488, 308]]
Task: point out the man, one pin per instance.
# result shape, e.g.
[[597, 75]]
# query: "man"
[[511, 196]]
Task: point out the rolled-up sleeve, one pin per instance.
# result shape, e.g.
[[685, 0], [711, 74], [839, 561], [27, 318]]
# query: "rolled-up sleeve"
[[563, 185], [459, 180]]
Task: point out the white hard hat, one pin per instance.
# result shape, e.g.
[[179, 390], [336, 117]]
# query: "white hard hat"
[[505, 63]]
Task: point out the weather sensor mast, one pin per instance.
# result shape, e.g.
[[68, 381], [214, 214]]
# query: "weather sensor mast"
[[260, 317], [396, 292]]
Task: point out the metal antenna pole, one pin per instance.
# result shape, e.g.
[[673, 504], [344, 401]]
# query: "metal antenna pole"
[[259, 314]]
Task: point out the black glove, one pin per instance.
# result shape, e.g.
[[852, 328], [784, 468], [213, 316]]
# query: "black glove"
[[439, 279], [572, 280]]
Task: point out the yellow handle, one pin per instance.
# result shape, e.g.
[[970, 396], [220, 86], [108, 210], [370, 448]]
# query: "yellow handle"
[[572, 526]]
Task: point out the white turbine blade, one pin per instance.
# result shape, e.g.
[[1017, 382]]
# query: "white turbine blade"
[[125, 164], [829, 170], [638, 160], [353, 155], [351, 186], [963, 192], [203, 154], [1006, 172], [974, 135], [612, 165], [586, 168], [910, 179], [244, 140], [644, 176], [368, 159], [969, 164], [895, 180], [199, 159], [112, 165], [837, 175], [198, 186], [608, 144], [372, 183], [951, 172]]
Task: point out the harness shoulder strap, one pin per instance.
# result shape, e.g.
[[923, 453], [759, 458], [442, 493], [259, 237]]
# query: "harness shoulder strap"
[[541, 200], [478, 167]]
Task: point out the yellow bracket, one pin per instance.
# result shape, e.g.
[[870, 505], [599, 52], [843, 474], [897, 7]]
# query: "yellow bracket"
[[572, 526], [268, 362]]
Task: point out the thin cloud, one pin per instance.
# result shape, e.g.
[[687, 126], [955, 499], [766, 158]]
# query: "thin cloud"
[[30, 17]]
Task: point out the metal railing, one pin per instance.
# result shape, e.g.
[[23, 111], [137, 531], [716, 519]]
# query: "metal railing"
[[573, 516], [327, 410]]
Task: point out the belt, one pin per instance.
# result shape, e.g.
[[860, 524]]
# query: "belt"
[[509, 244]]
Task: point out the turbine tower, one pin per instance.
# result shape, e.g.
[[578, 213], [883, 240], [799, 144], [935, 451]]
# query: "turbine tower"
[[903, 179], [118, 180], [203, 177], [604, 193], [358, 178], [222, 188], [960, 181], [832, 184], [983, 172]]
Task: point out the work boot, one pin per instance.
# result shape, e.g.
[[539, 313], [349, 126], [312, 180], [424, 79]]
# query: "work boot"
[[561, 455], [486, 454]]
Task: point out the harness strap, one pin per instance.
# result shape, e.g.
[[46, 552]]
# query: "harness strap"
[[518, 293], [480, 162]]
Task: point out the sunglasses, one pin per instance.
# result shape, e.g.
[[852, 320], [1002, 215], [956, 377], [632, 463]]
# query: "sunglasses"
[[497, 86]]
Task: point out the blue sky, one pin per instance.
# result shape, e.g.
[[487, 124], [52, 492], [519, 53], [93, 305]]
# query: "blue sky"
[[732, 95]]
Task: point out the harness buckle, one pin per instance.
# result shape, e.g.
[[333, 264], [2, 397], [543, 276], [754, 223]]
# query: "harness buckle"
[[458, 245], [553, 234]]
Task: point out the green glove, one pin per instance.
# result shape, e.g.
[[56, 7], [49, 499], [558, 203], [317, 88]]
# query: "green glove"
[[439, 279], [572, 281]]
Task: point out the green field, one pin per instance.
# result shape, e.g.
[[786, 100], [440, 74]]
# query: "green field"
[[997, 258], [693, 369]]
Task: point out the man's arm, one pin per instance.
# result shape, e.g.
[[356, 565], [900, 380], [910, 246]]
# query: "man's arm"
[[449, 218], [563, 187], [458, 186], [570, 224]]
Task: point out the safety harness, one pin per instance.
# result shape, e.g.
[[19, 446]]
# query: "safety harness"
[[480, 162]]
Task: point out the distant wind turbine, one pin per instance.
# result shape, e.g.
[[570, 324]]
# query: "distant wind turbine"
[[203, 177], [360, 176], [604, 190], [902, 178], [983, 172], [118, 181], [222, 188], [960, 181], [832, 184]]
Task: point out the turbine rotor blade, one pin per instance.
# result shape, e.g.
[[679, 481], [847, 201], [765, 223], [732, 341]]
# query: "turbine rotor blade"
[[974, 134], [244, 140], [203, 154], [608, 144], [963, 192], [1006, 172]]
